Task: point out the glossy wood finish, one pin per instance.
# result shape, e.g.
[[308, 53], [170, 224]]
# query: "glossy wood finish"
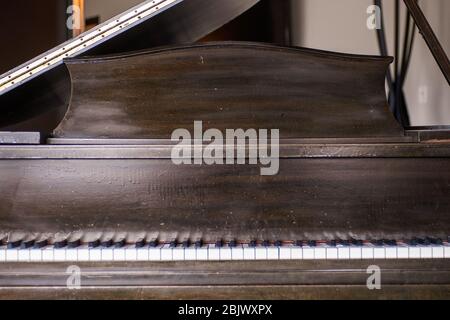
[[314, 198], [304, 93], [413, 279], [39, 102]]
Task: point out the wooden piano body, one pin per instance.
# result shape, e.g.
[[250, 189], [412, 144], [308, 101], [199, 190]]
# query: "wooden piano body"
[[355, 191]]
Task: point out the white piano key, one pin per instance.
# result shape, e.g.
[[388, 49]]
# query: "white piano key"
[[59, 255], [119, 254], [154, 254], [83, 253], [48, 254], [391, 253], [131, 253], [95, 254], [261, 253], [213, 253], [71, 255], [426, 253], [414, 252], [332, 253], [24, 255], [308, 253], [285, 252], [320, 253], [402, 253], [447, 251], [237, 253], [2, 254], [12, 255], [107, 254], [296, 253], [379, 253], [166, 253], [343, 253], [367, 252], [35, 255], [202, 253], [190, 254], [438, 252], [273, 253], [142, 254], [178, 253], [249, 253], [225, 254], [356, 253]]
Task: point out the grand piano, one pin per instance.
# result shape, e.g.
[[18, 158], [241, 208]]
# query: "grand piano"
[[99, 199]]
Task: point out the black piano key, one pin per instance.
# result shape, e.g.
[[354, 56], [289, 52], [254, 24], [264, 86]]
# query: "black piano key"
[[140, 243], [60, 244], [345, 243], [153, 243], [378, 243], [40, 244], [299, 243], [219, 244], [252, 244], [186, 243], [27, 244], [420, 241], [312, 243], [198, 243], [107, 243], [332, 243], [439, 242], [266, 243], [173, 243], [389, 243], [232, 244], [14, 244], [94, 244], [120, 243], [278, 243], [74, 244], [412, 242], [356, 242]]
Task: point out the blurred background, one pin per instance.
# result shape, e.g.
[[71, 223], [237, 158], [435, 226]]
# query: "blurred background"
[[30, 27]]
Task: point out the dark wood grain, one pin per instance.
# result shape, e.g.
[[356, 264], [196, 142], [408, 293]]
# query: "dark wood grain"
[[304, 93], [412, 279], [309, 198]]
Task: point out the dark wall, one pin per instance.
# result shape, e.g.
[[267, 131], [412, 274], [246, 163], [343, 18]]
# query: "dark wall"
[[28, 28], [267, 21]]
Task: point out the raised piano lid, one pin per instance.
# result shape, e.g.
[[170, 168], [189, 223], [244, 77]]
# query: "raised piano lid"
[[305, 93], [40, 87]]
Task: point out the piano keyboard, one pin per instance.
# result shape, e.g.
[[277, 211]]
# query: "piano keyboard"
[[109, 250]]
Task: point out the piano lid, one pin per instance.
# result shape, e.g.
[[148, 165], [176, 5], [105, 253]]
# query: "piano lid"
[[34, 96], [302, 92], [151, 23]]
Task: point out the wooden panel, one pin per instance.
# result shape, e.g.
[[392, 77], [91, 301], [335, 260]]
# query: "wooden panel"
[[304, 93], [411, 279], [309, 198]]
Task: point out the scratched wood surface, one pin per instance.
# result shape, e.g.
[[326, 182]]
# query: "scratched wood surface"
[[305, 93], [309, 198], [413, 279]]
